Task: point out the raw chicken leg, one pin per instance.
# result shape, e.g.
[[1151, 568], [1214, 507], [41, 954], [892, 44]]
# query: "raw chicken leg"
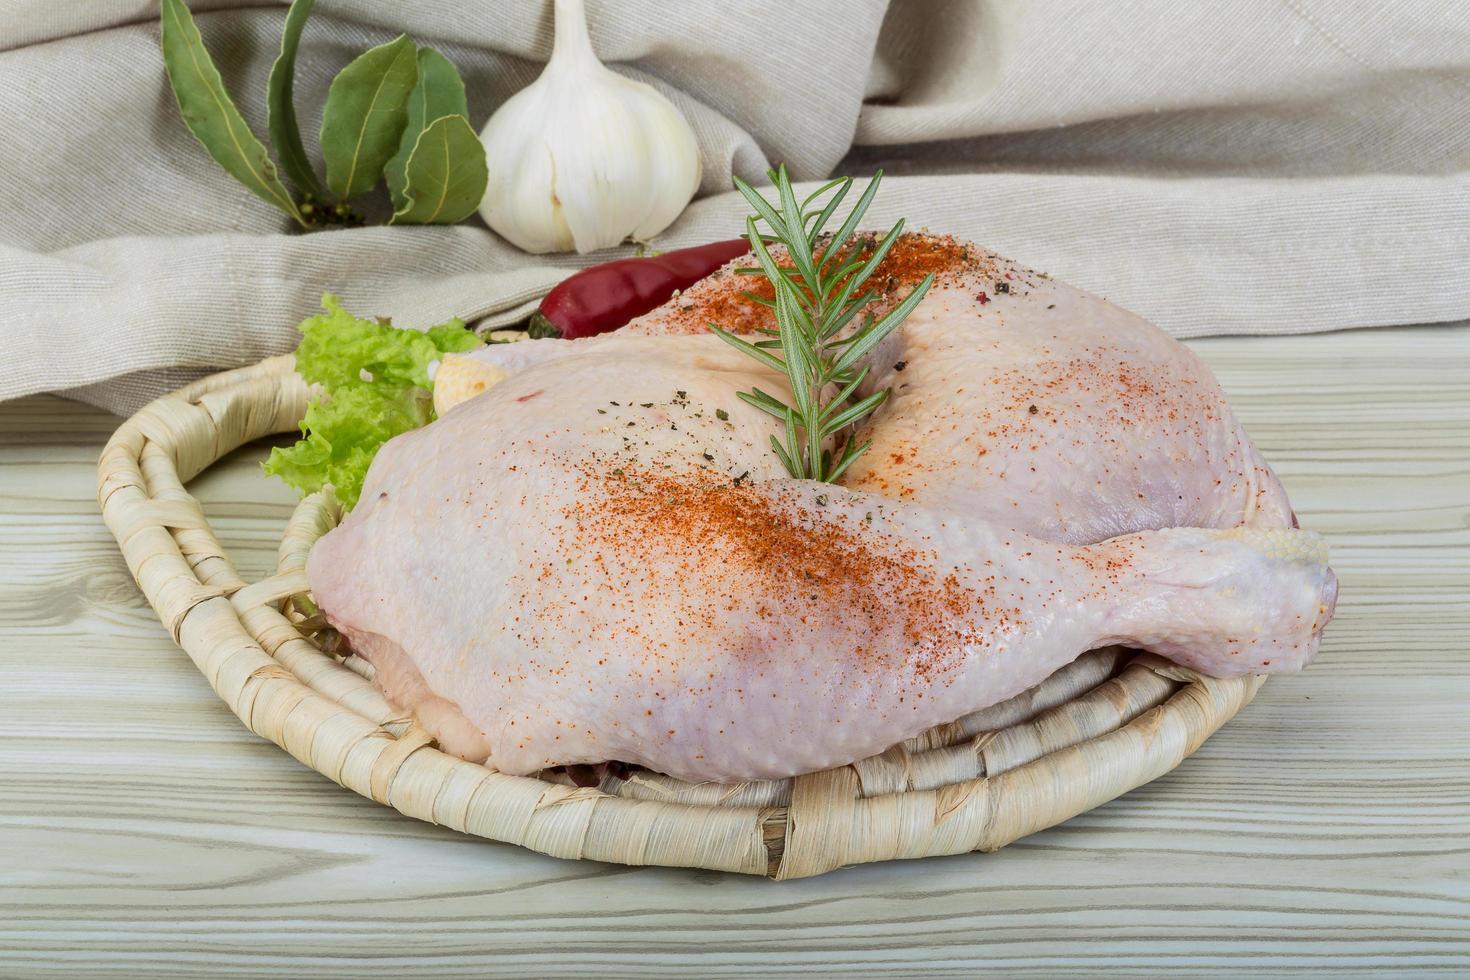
[[599, 558]]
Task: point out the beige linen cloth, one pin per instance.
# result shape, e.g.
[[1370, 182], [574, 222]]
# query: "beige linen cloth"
[[1235, 167]]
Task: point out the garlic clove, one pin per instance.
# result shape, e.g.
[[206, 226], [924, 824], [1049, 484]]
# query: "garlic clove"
[[460, 377], [583, 158]]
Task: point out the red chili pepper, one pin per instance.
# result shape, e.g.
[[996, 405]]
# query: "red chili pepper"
[[604, 297]]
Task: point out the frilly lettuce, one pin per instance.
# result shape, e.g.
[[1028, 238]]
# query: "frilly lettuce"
[[376, 386]]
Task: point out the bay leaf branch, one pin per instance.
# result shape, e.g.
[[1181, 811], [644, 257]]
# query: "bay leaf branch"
[[211, 114]]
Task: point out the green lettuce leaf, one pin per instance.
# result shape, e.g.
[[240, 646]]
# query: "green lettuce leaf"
[[337, 347], [376, 386]]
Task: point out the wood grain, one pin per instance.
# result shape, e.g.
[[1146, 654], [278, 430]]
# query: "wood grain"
[[143, 831]]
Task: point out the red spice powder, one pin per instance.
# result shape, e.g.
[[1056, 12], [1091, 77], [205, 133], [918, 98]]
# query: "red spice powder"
[[914, 255], [753, 541]]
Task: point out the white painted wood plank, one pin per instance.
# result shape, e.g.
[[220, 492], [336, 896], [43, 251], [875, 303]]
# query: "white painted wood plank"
[[144, 831]]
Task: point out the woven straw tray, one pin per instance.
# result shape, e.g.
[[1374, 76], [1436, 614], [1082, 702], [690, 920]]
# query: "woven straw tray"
[[1109, 722]]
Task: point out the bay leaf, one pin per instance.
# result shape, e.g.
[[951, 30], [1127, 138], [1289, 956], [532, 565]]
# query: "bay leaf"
[[210, 113], [281, 108], [438, 92], [367, 107], [445, 176]]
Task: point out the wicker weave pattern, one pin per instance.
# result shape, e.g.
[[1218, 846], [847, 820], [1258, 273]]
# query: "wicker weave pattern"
[[1095, 729]]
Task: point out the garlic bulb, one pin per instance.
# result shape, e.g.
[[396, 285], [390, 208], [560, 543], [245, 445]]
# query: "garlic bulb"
[[584, 158]]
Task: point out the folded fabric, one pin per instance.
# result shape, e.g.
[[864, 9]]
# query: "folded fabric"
[[1219, 170]]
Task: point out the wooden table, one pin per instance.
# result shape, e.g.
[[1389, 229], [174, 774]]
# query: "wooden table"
[[143, 831]]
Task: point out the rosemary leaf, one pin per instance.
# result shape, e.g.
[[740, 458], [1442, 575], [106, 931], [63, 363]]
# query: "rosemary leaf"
[[854, 412], [795, 347], [844, 185], [842, 396], [875, 334], [766, 212], [844, 182], [801, 254], [786, 460], [792, 467], [842, 317], [745, 346], [839, 240], [879, 253], [766, 404], [848, 458]]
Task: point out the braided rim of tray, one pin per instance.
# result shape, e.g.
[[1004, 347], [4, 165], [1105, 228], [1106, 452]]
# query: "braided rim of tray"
[[1110, 721]]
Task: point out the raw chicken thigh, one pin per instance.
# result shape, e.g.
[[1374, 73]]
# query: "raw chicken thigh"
[[599, 558]]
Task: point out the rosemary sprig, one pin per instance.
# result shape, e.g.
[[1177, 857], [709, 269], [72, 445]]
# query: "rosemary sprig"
[[816, 297]]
